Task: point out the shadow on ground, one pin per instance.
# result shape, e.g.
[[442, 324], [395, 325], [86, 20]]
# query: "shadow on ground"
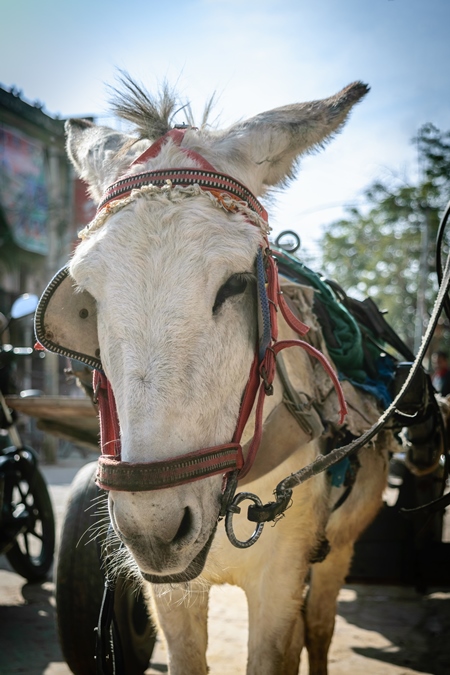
[[28, 636], [415, 628]]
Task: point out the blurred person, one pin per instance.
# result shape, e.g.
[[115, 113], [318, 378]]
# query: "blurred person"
[[441, 374]]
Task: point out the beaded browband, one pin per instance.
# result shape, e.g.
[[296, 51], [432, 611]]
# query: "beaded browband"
[[207, 180]]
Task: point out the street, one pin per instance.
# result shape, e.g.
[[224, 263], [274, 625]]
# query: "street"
[[380, 630]]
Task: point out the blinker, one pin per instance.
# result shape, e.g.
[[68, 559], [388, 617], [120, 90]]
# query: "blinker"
[[66, 321], [66, 318]]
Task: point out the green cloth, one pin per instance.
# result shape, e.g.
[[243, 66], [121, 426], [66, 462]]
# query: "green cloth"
[[348, 355]]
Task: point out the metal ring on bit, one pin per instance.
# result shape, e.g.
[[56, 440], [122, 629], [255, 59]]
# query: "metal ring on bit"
[[234, 508]]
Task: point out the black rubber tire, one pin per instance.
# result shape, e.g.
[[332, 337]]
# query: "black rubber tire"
[[79, 589], [31, 556]]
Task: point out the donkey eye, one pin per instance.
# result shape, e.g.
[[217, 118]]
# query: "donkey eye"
[[235, 285]]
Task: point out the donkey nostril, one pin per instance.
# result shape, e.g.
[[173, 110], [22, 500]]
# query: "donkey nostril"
[[185, 525]]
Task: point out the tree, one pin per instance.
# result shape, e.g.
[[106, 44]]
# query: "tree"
[[386, 250]]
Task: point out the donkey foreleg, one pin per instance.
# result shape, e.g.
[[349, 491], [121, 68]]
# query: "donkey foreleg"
[[344, 527], [326, 580], [182, 617], [276, 631]]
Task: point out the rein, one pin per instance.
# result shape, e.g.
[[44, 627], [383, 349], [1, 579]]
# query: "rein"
[[226, 459]]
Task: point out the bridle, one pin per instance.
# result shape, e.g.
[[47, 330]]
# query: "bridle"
[[226, 459]]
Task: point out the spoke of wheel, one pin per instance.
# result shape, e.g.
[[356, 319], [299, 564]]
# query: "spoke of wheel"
[[25, 539], [22, 494], [36, 534]]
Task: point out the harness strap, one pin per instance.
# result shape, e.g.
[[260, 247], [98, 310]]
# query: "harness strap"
[[212, 181], [109, 421], [205, 176], [177, 136], [114, 474]]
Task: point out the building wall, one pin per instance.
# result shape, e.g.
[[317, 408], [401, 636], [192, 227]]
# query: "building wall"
[[42, 208]]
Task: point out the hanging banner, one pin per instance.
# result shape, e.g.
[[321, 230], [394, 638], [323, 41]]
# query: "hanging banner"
[[23, 189]]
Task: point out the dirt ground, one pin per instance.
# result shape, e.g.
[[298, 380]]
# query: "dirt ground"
[[380, 630]]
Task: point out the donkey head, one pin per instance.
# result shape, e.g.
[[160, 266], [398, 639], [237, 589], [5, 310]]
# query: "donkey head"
[[173, 280]]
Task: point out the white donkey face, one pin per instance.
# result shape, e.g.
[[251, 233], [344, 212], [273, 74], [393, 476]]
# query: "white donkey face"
[[173, 279], [174, 285]]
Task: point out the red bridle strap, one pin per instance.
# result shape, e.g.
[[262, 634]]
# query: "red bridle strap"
[[109, 421], [218, 184], [114, 474], [264, 375], [205, 176], [176, 135]]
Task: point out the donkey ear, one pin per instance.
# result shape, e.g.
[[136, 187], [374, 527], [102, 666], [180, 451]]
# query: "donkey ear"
[[264, 149], [95, 153]]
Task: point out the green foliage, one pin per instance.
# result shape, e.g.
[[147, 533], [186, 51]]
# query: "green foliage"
[[376, 251]]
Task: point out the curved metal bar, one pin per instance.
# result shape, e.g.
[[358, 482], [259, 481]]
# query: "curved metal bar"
[[235, 508]]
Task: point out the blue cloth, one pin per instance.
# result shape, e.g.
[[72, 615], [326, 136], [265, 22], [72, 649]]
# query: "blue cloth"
[[378, 388], [338, 471]]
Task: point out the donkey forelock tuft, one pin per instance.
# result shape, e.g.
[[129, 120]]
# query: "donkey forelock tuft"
[[151, 115]]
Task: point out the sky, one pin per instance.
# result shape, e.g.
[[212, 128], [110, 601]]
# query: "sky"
[[256, 55]]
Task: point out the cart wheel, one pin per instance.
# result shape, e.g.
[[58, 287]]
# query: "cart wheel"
[[31, 556], [80, 583]]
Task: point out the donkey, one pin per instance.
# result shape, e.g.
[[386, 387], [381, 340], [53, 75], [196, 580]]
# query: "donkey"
[[171, 270]]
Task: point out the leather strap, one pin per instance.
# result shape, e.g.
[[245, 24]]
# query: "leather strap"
[[206, 177], [177, 136], [113, 474], [117, 475], [212, 181], [109, 421]]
